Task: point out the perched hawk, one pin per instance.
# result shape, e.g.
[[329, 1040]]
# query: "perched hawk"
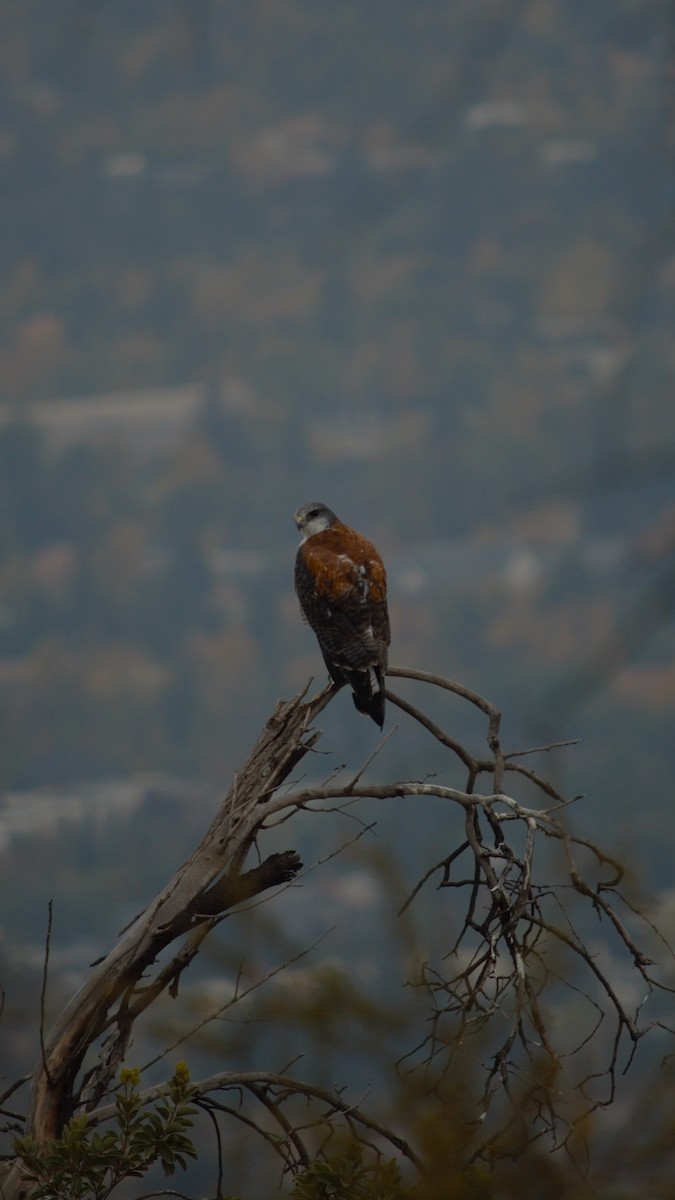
[[342, 589]]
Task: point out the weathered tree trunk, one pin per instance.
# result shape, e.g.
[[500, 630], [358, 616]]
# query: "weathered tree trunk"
[[209, 883]]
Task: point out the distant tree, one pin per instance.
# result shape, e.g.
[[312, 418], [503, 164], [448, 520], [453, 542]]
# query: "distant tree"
[[519, 954]]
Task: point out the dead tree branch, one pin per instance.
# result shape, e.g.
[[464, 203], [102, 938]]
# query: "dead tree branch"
[[209, 883], [514, 939]]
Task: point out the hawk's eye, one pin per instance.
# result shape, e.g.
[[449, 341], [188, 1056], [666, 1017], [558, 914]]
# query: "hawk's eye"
[[313, 512]]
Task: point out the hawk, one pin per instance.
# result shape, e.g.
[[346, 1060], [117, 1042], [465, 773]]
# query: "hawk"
[[341, 584]]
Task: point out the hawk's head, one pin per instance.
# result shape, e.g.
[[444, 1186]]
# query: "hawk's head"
[[313, 518]]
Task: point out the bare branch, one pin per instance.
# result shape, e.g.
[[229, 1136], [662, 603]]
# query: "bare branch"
[[263, 1085], [43, 989]]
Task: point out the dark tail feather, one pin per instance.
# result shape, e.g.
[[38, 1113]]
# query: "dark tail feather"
[[367, 699]]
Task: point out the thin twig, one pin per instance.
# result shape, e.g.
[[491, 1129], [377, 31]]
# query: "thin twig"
[[43, 991]]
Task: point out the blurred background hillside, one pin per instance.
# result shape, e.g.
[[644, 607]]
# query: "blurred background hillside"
[[416, 260]]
